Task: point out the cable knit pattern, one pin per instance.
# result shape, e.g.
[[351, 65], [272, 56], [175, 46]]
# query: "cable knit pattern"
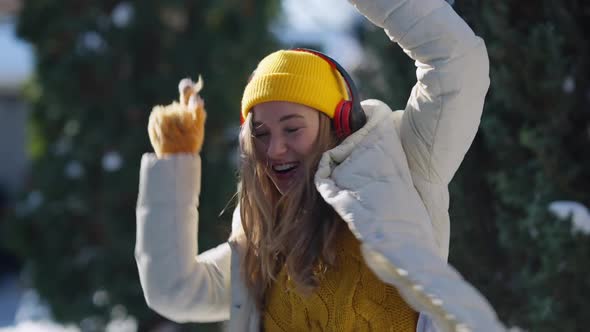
[[349, 298]]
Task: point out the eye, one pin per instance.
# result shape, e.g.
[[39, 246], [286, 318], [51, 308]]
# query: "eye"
[[291, 130], [260, 134]]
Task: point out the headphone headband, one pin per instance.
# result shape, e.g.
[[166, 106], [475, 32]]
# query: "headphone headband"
[[349, 116]]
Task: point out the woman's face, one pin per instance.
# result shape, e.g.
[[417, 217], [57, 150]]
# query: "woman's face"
[[284, 134]]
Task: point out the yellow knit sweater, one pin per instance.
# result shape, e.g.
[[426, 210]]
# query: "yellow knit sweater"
[[349, 298]]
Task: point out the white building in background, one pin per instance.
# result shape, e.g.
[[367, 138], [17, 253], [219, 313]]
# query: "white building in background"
[[16, 65]]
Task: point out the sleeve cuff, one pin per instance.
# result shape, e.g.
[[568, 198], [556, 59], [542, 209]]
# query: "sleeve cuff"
[[172, 178]]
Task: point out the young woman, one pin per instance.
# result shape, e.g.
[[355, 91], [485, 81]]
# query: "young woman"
[[336, 229]]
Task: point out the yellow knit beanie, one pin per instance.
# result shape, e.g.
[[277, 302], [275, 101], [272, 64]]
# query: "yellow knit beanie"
[[298, 77]]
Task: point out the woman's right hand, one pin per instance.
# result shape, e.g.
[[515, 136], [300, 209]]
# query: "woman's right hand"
[[180, 126]]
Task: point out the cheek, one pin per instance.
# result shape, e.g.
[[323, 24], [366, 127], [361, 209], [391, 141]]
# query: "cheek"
[[260, 149], [306, 140], [304, 145]]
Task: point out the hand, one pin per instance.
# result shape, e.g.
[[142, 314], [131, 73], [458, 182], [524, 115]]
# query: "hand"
[[180, 126]]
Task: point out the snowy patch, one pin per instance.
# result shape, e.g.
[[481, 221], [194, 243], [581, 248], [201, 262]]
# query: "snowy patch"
[[578, 212], [39, 327], [100, 298], [569, 85], [90, 41], [516, 329], [122, 14], [122, 325], [24, 311], [31, 308], [112, 161], [31, 203], [34, 200]]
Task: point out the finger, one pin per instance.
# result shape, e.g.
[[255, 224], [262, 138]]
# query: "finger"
[[185, 89], [200, 115], [195, 102], [154, 131], [197, 87]]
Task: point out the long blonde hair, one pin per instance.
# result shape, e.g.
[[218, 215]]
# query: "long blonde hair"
[[295, 230]]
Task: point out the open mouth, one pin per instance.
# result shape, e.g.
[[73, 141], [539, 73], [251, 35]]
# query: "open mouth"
[[285, 170]]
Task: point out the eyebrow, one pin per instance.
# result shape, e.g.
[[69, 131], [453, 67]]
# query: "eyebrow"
[[283, 118]]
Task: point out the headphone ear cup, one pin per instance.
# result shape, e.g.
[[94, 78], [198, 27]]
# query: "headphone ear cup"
[[357, 117], [342, 119], [349, 115]]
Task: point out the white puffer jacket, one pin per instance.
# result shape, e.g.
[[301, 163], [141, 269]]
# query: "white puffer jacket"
[[388, 181]]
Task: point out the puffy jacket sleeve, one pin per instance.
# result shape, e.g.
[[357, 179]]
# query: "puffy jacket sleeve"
[[177, 283], [443, 112]]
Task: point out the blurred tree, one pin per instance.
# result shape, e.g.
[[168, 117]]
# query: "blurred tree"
[[101, 66], [532, 149]]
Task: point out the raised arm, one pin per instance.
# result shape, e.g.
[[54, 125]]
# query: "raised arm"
[[176, 282], [437, 127], [443, 112]]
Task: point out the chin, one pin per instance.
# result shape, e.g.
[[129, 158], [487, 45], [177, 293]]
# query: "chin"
[[282, 188]]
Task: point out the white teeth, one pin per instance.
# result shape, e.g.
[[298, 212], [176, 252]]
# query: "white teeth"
[[284, 167]]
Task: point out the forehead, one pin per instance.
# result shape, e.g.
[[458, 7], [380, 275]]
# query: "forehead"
[[275, 111]]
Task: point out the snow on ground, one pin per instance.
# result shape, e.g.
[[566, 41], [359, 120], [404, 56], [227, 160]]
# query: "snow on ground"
[[10, 294], [43, 326], [23, 311]]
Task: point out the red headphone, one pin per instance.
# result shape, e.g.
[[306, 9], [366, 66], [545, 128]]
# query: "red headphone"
[[349, 115]]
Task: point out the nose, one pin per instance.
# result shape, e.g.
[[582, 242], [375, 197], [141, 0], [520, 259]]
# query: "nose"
[[276, 148]]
